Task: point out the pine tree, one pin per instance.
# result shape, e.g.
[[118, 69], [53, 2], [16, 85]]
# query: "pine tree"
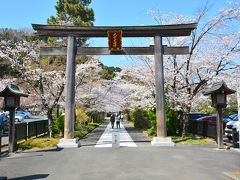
[[71, 12], [74, 12]]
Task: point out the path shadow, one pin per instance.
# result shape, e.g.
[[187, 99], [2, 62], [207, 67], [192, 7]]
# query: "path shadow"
[[3, 155], [132, 129], [24, 153], [31, 177], [85, 145], [57, 149], [96, 132], [144, 141], [181, 140]]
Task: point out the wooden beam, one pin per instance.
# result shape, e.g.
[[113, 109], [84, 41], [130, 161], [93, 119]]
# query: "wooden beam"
[[62, 51], [127, 31], [175, 50]]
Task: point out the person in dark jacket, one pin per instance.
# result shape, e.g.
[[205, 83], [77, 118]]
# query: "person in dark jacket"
[[112, 119]]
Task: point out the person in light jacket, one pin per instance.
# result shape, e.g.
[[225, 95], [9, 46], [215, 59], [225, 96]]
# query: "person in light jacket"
[[117, 119]]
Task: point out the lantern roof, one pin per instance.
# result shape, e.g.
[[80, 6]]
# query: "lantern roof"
[[218, 87], [12, 90]]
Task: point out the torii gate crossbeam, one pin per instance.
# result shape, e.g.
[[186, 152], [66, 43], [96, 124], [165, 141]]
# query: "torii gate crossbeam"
[[158, 50], [62, 51]]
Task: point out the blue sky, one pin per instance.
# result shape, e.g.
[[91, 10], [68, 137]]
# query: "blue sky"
[[22, 13]]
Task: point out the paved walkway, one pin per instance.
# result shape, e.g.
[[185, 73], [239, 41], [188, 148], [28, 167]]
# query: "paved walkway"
[[183, 162], [106, 138], [102, 136]]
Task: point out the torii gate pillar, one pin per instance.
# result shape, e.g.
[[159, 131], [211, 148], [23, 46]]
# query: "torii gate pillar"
[[238, 100], [161, 139], [69, 140]]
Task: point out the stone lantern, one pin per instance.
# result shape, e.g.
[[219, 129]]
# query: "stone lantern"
[[219, 92], [11, 95]]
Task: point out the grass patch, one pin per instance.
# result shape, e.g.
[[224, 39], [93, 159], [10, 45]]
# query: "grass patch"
[[83, 130], [191, 140], [38, 143], [46, 142]]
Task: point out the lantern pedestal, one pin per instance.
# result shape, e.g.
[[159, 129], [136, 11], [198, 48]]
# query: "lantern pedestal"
[[68, 143], [220, 128], [162, 141], [219, 92], [12, 147]]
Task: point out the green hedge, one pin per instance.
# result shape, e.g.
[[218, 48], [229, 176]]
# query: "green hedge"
[[146, 119], [140, 118], [59, 125]]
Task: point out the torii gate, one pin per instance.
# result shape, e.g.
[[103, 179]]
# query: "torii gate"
[[158, 50]]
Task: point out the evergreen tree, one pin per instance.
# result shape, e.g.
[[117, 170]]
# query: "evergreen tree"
[[74, 12], [70, 12]]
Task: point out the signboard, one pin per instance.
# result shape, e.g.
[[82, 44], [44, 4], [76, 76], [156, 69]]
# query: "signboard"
[[115, 40]]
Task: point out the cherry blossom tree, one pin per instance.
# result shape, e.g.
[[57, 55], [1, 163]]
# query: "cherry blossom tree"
[[18, 51], [48, 87], [88, 83], [20, 54], [127, 91], [214, 47]]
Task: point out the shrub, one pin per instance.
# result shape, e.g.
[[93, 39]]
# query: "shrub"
[[152, 117], [171, 121], [59, 125], [97, 117], [81, 116], [140, 119]]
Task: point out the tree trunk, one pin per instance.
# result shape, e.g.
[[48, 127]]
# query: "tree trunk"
[[186, 122], [180, 123], [50, 123], [128, 115], [57, 110]]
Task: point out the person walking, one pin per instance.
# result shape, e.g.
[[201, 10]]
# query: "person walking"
[[117, 118], [112, 119], [121, 116]]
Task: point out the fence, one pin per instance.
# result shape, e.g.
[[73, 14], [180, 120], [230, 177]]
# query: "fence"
[[31, 129], [209, 130], [203, 129], [26, 130]]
